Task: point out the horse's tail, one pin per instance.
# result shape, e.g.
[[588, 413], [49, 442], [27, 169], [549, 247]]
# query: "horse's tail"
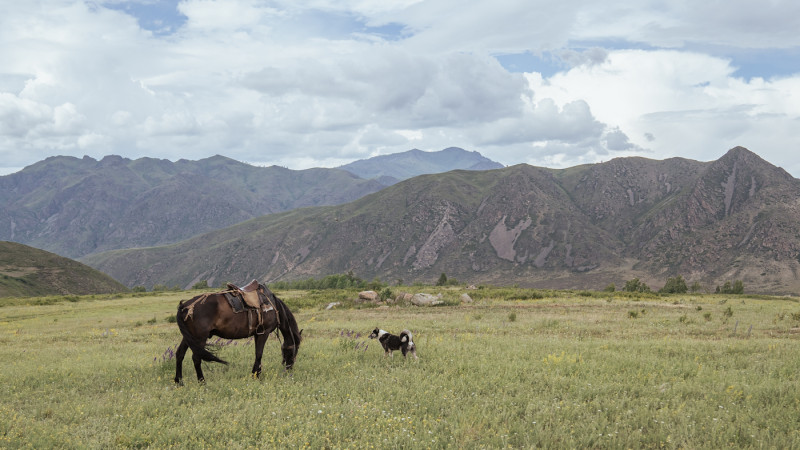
[[198, 346]]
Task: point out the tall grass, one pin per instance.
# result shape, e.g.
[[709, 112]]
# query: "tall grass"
[[568, 371]]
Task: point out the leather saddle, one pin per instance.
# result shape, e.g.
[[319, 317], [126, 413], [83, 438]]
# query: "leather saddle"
[[249, 293], [252, 299]]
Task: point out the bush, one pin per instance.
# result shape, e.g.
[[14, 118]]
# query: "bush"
[[675, 285], [386, 293], [728, 312], [610, 288], [736, 288], [340, 281], [444, 281], [202, 284], [635, 285]]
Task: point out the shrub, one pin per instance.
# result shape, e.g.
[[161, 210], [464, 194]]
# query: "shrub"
[[385, 294], [340, 281], [635, 285], [675, 285], [610, 288], [202, 284], [736, 288], [728, 312]]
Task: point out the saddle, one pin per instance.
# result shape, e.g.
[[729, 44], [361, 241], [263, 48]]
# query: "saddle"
[[249, 293], [252, 300]]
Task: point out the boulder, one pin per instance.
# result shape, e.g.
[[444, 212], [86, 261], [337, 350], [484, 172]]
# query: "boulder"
[[332, 305], [368, 296], [403, 297], [426, 299], [465, 298]]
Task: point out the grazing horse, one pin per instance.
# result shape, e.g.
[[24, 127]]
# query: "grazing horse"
[[210, 315]]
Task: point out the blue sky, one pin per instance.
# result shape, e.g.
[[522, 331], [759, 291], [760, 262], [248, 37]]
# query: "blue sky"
[[322, 83]]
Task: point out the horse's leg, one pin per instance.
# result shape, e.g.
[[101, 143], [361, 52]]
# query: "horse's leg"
[[261, 340], [197, 360], [179, 354]]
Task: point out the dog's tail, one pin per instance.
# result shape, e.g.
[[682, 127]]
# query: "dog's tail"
[[406, 337]]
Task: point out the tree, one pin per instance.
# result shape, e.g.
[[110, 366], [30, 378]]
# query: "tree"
[[442, 280], [202, 284], [736, 288], [675, 285], [635, 285]]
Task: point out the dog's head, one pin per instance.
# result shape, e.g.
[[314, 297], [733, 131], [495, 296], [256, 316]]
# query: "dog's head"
[[375, 333]]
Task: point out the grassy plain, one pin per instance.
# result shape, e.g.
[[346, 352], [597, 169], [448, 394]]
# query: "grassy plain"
[[513, 368]]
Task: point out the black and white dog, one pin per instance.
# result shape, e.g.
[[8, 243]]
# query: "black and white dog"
[[390, 342]]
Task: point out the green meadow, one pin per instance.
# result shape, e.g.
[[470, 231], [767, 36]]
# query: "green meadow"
[[513, 368]]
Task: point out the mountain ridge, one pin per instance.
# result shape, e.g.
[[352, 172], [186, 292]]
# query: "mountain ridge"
[[581, 227], [78, 206], [404, 165]]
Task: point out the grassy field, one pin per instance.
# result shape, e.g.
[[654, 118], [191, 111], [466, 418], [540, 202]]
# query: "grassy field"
[[513, 368]]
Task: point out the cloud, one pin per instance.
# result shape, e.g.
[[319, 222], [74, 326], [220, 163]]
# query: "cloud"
[[325, 82], [682, 103]]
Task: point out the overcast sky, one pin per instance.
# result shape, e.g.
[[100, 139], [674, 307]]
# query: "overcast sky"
[[321, 83]]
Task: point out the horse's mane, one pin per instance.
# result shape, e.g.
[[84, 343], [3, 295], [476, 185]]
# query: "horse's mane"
[[287, 317]]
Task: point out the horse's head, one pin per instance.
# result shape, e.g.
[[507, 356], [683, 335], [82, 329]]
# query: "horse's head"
[[290, 347]]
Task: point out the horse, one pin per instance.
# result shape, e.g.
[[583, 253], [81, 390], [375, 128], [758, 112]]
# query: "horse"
[[210, 314]]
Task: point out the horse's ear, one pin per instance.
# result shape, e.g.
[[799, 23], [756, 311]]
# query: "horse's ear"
[[301, 332]]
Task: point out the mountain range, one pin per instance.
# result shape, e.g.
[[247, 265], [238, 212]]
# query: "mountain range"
[[75, 207], [583, 227]]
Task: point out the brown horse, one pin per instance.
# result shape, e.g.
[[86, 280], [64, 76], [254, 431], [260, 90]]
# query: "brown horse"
[[210, 315]]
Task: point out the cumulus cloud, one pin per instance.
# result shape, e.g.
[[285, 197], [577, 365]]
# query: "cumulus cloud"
[[316, 83], [689, 104]]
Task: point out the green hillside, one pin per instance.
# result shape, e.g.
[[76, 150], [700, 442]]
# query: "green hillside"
[[28, 272]]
